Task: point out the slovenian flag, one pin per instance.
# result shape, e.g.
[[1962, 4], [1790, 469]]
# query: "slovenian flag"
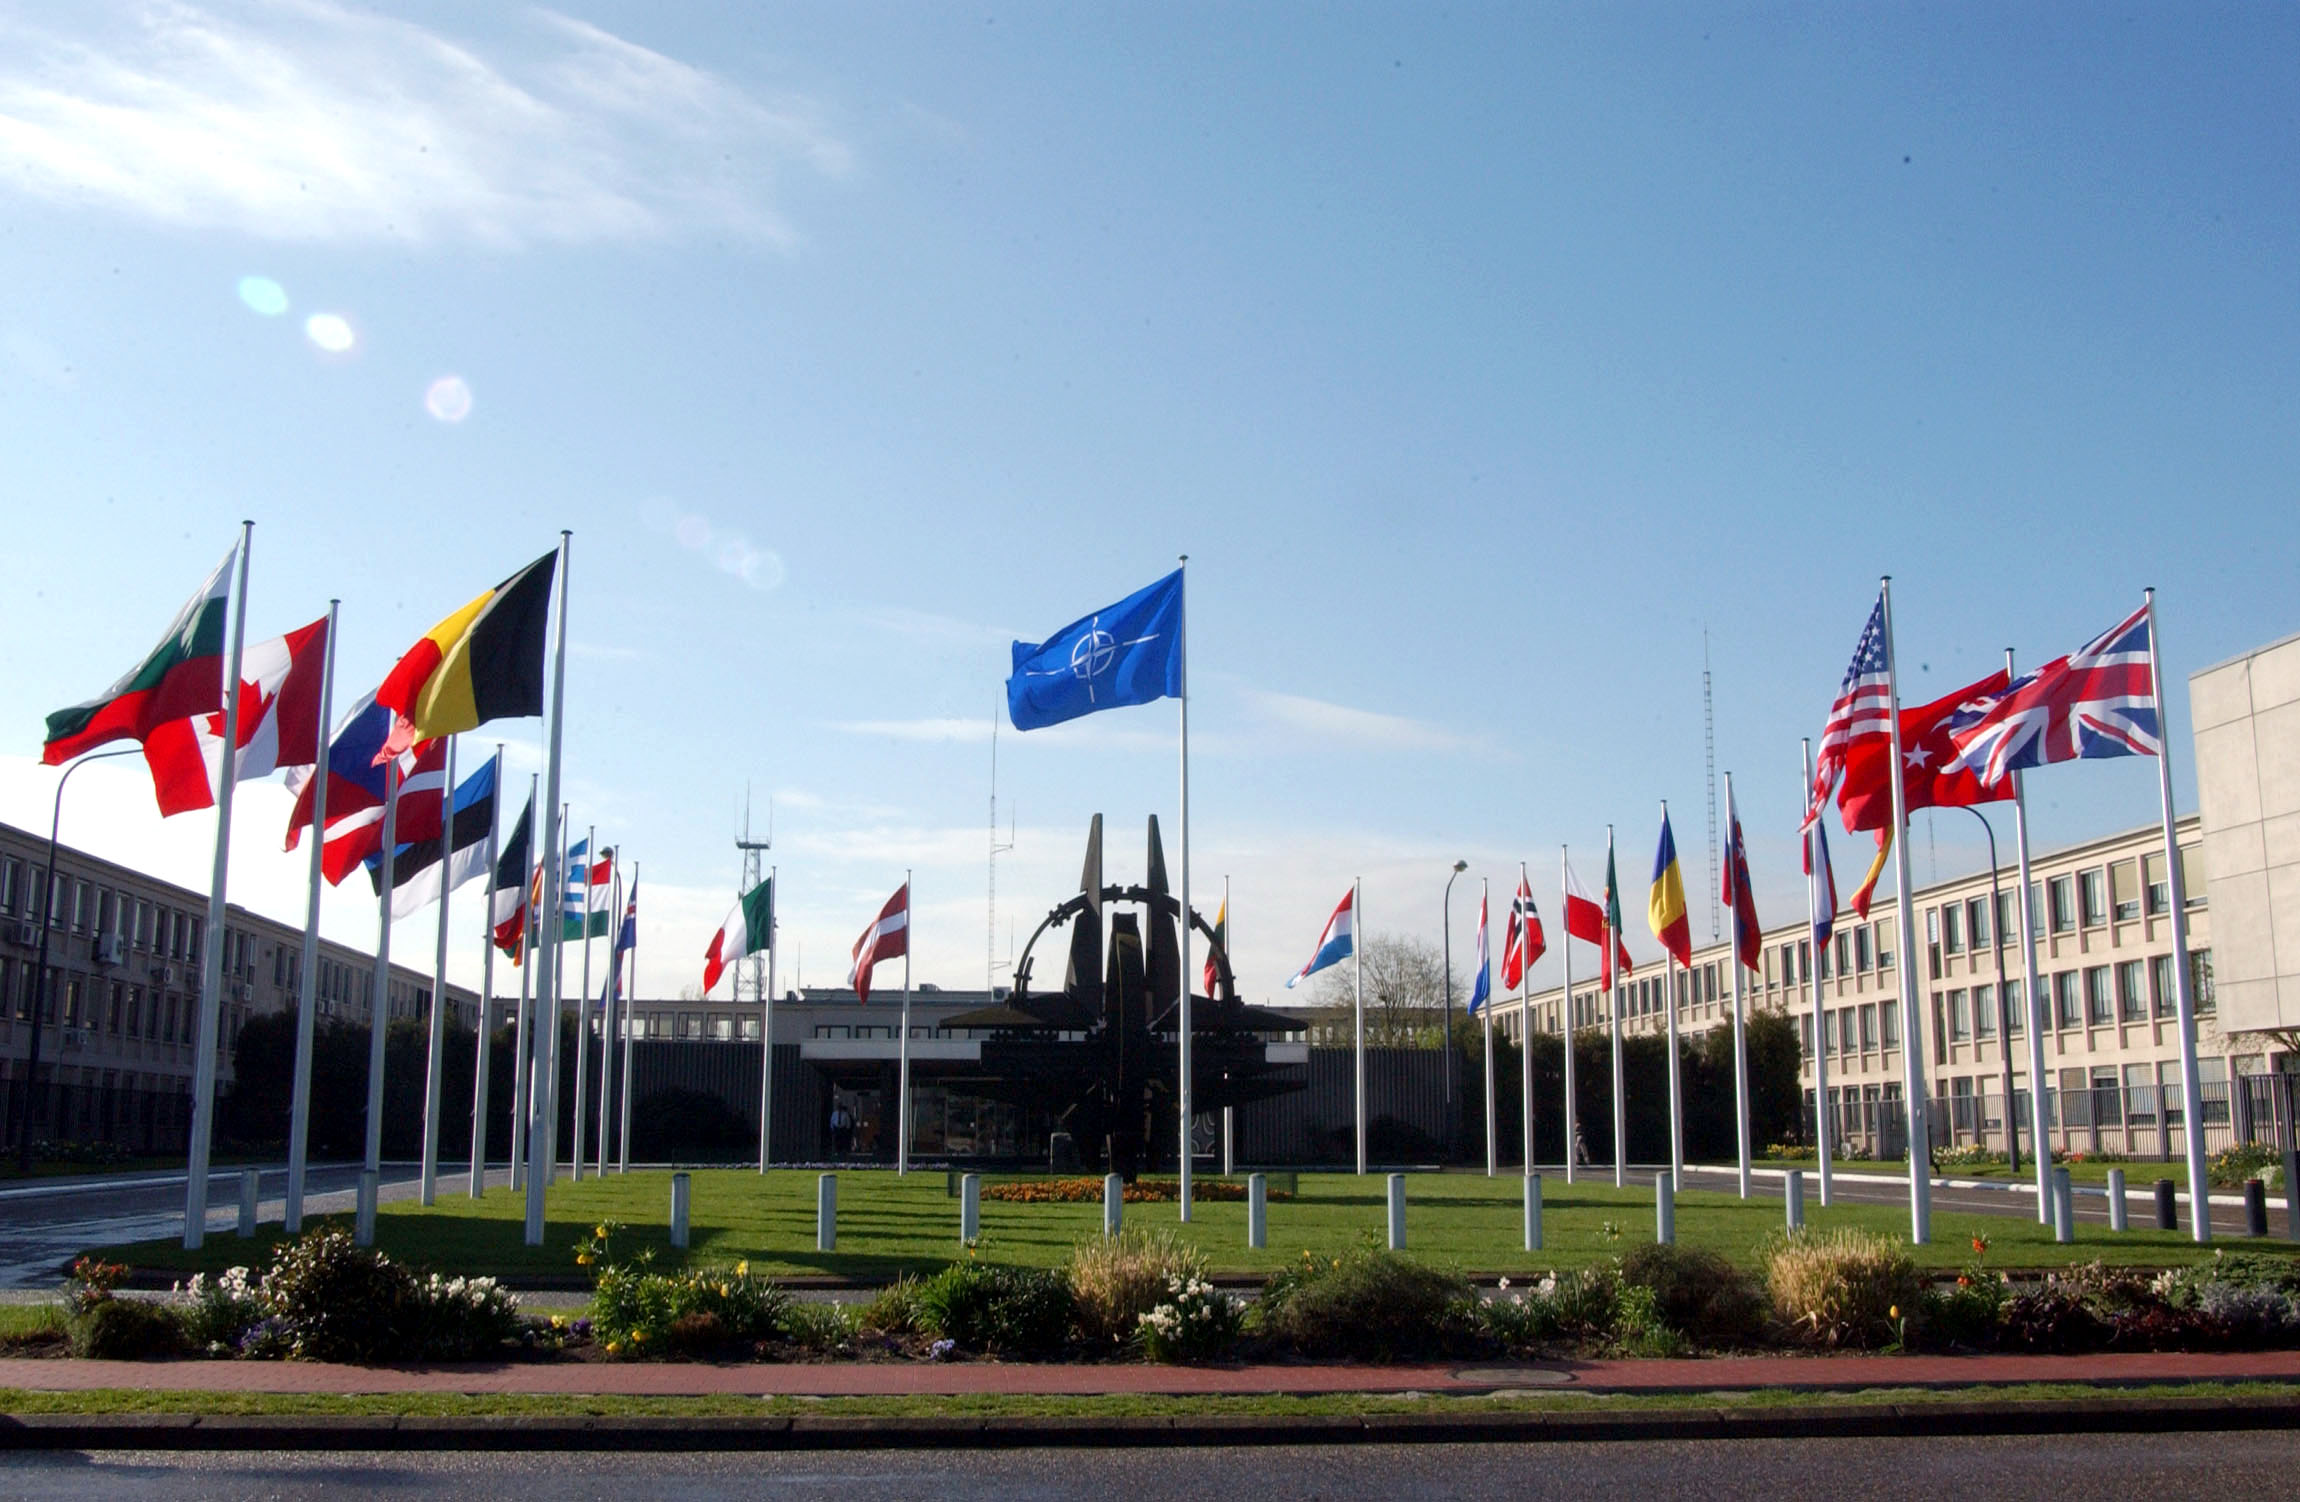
[[1336, 943]]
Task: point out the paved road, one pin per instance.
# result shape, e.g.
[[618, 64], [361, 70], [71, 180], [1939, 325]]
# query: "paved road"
[[2090, 1204], [2250, 1464], [44, 1222]]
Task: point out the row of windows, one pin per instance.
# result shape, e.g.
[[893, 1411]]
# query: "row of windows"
[[2091, 898]]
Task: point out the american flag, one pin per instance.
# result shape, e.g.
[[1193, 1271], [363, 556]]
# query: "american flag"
[[1863, 708], [2098, 701], [1523, 942]]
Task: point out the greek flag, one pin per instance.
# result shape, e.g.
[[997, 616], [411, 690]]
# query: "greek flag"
[[1127, 653]]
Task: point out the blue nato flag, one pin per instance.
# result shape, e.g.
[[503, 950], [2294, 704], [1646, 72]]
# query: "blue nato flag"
[[1127, 653]]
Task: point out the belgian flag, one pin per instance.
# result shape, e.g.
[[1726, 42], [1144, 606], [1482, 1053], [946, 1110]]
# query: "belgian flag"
[[485, 662]]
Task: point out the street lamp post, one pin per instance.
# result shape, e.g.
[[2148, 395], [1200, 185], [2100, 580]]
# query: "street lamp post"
[[1452, 1127], [2004, 1008]]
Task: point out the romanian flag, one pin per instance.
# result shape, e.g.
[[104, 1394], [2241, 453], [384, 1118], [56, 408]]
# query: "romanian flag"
[[1665, 904], [485, 662]]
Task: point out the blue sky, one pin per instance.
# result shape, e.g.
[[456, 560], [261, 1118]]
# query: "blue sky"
[[1481, 362]]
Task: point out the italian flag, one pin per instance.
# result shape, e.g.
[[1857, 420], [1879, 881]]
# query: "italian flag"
[[748, 929], [183, 676]]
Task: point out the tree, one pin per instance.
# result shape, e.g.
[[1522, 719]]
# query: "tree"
[[1405, 982]]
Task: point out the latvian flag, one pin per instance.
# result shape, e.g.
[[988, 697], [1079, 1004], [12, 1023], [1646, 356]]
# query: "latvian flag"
[[887, 938], [748, 929], [181, 677]]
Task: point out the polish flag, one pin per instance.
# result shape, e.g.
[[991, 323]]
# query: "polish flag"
[[1585, 920]]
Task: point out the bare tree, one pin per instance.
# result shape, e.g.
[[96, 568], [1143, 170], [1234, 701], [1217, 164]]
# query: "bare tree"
[[1405, 996]]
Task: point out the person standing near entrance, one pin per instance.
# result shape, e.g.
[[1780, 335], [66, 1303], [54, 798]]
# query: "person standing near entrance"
[[842, 1129]]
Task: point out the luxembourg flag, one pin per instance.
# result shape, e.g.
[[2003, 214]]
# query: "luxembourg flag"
[[1482, 987], [1335, 944]]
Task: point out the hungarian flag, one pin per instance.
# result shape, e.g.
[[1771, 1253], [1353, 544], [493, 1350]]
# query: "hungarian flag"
[[417, 874], [1221, 945], [1665, 902], [279, 724], [748, 929], [356, 789], [507, 891], [1523, 942], [1734, 892], [1585, 920], [485, 662], [1929, 776], [887, 938], [183, 676]]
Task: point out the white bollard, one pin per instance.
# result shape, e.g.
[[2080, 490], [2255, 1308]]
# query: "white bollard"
[[1113, 1203], [2118, 1220], [363, 1218], [1793, 1190], [827, 1213], [247, 1202], [2063, 1207], [1257, 1211], [1533, 1212], [1664, 1207], [1397, 1212], [970, 1208], [681, 1185]]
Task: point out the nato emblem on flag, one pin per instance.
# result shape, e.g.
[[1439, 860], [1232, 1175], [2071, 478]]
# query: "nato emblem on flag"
[[1127, 653]]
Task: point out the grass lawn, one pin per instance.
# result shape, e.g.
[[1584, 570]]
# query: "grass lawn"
[[888, 1225]]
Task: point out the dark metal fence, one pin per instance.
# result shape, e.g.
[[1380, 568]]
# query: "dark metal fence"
[[2141, 1122], [143, 1122]]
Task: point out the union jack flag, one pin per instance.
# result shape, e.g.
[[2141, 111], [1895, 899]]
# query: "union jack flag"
[[1863, 708], [1523, 942], [2098, 701]]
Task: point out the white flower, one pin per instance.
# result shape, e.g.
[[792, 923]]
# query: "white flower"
[[1505, 1285]]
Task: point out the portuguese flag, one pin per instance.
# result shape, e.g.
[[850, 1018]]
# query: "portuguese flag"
[[183, 676], [748, 929], [485, 662]]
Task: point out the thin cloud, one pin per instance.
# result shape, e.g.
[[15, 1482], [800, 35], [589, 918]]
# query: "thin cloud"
[[302, 120], [1338, 724]]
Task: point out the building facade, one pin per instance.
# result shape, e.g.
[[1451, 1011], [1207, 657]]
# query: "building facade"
[[2247, 718]]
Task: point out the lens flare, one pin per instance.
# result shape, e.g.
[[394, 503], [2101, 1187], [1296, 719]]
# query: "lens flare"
[[330, 331], [263, 295], [448, 399]]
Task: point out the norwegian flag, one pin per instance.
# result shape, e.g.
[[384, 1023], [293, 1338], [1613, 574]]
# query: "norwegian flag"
[[1863, 709], [2098, 701], [1522, 942]]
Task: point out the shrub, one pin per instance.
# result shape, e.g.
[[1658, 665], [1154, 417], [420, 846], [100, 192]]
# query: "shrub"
[[1075, 1191], [893, 1310], [462, 1319], [1195, 1321], [1966, 1155], [1371, 1304], [1842, 1288], [1008, 1311], [91, 1283], [635, 1312], [1118, 1279], [1696, 1292], [1639, 1327], [336, 1301], [125, 1330], [821, 1329], [219, 1312], [1519, 1322], [2053, 1319], [2232, 1165]]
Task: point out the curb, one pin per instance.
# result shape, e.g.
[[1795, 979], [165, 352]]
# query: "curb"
[[184, 1432]]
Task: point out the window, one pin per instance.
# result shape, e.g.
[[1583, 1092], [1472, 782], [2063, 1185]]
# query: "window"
[[1868, 1028], [2160, 985], [1960, 1017], [2140, 1095], [1984, 1012], [1804, 962], [1977, 921], [2098, 1008], [1861, 948], [2159, 894], [2200, 981], [1828, 1032], [2212, 1091], [1885, 931], [11, 873], [1890, 1023], [2107, 1097], [2008, 914], [2131, 992], [2075, 1099], [2191, 877], [2124, 890], [1824, 962], [2016, 1010], [2064, 1000], [1844, 952], [1952, 929], [2092, 889], [2060, 899]]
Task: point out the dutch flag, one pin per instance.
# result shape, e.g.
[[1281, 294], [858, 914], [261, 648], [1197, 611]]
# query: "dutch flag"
[[1335, 943]]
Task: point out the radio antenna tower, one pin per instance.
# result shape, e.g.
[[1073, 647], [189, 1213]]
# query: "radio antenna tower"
[[995, 964], [1709, 753], [755, 967]]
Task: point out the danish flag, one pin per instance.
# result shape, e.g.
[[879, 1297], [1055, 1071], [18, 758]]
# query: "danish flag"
[[2098, 701]]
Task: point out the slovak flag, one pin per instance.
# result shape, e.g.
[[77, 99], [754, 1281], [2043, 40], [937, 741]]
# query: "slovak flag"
[[1523, 942], [1336, 943], [1482, 987]]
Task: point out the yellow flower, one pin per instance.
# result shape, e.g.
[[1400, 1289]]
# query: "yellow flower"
[[600, 1232], [743, 1268], [1895, 1311], [612, 1348], [558, 1321], [582, 1259]]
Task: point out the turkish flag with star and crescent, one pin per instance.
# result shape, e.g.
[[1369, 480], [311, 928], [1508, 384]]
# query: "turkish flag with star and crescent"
[[1866, 797]]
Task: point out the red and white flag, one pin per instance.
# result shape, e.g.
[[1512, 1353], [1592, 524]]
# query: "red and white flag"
[[888, 938], [1862, 711], [279, 724], [1585, 920], [1523, 943]]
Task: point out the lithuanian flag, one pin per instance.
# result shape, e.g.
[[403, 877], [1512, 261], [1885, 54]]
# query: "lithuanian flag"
[[1665, 904], [485, 662], [183, 676]]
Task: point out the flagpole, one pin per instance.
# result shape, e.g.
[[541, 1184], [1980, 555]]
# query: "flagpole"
[[483, 1049], [767, 1025], [538, 1151], [1669, 1002], [583, 1001], [522, 1022], [1821, 1123], [379, 1006], [557, 939], [1613, 1001], [1565, 1018], [608, 1001], [212, 959], [2039, 1100], [2183, 984], [1229, 1116], [307, 978], [1185, 1059], [630, 1026], [1485, 1010], [902, 1085], [1358, 994], [1525, 1017], [1912, 1019], [436, 1043], [1733, 960]]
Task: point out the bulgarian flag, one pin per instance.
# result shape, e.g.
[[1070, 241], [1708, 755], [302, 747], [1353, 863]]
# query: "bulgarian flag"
[[183, 676], [485, 662], [748, 929]]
